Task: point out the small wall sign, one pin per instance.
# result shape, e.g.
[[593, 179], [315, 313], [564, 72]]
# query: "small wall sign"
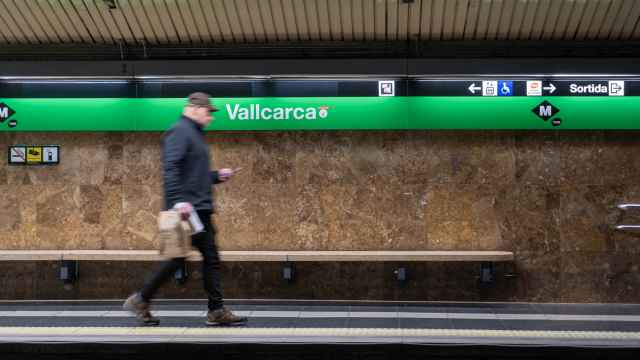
[[34, 155], [386, 88]]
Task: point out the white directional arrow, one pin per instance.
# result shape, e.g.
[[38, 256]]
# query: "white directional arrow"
[[551, 88], [473, 88]]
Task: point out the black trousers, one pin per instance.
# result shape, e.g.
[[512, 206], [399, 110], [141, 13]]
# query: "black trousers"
[[205, 242]]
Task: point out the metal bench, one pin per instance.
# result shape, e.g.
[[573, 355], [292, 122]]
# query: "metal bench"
[[70, 258]]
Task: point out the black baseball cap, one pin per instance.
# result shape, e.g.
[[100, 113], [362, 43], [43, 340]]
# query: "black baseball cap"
[[202, 99]]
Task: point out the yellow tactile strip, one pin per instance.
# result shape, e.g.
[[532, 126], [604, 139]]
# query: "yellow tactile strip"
[[312, 332]]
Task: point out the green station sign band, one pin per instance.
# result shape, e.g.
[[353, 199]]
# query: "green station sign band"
[[327, 113]]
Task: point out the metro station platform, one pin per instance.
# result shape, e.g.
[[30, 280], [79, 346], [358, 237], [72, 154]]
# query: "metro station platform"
[[318, 330]]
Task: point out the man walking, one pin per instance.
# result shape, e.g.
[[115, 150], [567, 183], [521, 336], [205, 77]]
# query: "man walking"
[[187, 182]]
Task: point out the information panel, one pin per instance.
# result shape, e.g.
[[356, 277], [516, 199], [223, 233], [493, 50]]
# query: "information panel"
[[509, 88]]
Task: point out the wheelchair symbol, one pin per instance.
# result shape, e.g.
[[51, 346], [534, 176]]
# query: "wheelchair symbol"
[[506, 88]]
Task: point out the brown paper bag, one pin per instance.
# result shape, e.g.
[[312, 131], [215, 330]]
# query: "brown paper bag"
[[174, 235]]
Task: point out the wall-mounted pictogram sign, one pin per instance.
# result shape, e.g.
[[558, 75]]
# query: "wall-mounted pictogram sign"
[[34, 155]]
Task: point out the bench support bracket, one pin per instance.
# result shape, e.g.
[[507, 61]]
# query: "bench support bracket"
[[69, 271], [487, 273], [182, 273], [288, 272], [401, 274]]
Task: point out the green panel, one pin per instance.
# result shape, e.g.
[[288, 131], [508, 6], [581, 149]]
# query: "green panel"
[[597, 112], [156, 114], [103, 114], [329, 113]]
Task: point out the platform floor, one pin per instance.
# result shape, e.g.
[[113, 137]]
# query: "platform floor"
[[495, 325]]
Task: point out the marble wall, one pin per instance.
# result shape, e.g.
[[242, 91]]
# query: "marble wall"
[[548, 196]]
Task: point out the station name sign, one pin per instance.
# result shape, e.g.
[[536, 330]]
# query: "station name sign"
[[469, 104]]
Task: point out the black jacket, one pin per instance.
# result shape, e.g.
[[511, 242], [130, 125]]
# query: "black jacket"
[[185, 163]]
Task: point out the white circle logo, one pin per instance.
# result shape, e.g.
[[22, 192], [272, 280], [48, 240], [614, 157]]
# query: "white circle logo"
[[323, 112]]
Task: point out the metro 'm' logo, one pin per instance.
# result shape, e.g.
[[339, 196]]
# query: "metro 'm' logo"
[[5, 112], [545, 110]]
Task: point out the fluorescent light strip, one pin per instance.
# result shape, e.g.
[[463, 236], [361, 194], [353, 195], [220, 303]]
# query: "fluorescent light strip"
[[307, 77], [147, 78], [78, 78], [199, 78], [121, 82], [519, 76]]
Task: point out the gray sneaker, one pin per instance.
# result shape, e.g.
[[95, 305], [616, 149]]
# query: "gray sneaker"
[[140, 308], [224, 316]]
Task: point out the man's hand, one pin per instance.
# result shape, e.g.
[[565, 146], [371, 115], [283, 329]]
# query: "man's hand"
[[184, 209], [226, 174]]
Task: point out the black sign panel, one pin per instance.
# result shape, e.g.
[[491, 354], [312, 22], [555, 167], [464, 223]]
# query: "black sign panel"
[[531, 88]]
